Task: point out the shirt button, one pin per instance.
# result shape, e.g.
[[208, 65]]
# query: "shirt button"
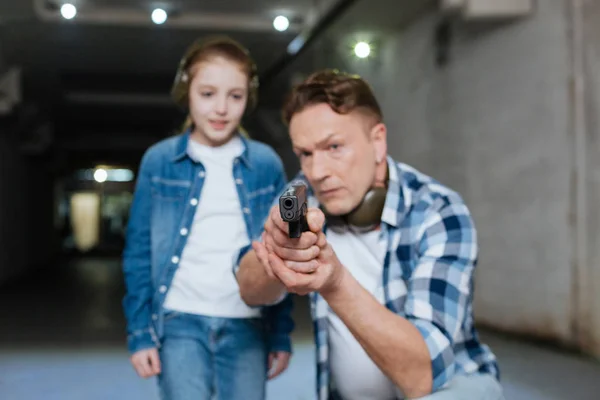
[[183, 231], [246, 210], [175, 259], [194, 202], [238, 181], [163, 289], [154, 317], [201, 174]]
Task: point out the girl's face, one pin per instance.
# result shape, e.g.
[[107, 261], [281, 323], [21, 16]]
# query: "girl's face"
[[217, 96]]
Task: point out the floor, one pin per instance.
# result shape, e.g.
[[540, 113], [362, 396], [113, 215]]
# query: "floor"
[[62, 338]]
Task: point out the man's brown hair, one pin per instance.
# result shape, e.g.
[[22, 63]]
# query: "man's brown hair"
[[343, 92]]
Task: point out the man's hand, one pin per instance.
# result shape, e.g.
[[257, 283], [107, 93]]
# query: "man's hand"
[[305, 264], [278, 362], [298, 253], [146, 362]]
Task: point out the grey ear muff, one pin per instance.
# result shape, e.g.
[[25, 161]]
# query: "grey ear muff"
[[368, 213]]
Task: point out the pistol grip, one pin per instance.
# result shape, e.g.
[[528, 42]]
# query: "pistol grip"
[[297, 227]]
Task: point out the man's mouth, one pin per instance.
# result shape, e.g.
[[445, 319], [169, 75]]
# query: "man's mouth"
[[328, 192]]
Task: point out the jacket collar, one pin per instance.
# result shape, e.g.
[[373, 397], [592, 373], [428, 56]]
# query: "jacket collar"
[[181, 148]]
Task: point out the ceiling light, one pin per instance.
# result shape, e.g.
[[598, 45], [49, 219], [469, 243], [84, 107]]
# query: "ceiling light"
[[100, 175], [68, 11], [362, 49], [159, 16], [281, 23]]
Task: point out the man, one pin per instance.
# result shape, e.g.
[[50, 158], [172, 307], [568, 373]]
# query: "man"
[[388, 260]]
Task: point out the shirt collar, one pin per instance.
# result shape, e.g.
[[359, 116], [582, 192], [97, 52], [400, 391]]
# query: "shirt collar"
[[394, 199]]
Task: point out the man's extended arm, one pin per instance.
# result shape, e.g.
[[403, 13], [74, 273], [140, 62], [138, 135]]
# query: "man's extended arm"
[[415, 351], [392, 342], [256, 286]]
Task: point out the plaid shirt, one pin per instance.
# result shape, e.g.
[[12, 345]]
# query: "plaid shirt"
[[427, 276]]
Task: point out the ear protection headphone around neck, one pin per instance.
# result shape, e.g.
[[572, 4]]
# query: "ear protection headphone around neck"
[[367, 215]]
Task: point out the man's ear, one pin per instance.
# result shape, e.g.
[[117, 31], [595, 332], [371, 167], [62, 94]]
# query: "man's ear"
[[379, 137]]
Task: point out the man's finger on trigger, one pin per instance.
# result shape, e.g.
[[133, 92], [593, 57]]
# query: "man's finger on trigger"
[[315, 219]]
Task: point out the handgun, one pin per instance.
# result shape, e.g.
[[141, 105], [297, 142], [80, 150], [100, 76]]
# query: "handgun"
[[293, 208]]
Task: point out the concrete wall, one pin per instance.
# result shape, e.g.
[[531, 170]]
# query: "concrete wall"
[[587, 53], [495, 125], [27, 237], [504, 124]]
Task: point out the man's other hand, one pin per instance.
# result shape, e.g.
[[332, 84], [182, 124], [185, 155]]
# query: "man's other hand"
[[299, 254]]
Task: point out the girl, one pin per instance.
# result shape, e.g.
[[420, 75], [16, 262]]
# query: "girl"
[[200, 198]]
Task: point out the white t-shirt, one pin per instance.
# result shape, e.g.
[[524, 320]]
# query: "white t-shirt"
[[204, 283], [354, 374]]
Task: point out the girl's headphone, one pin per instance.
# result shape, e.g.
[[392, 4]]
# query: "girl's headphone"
[[180, 88]]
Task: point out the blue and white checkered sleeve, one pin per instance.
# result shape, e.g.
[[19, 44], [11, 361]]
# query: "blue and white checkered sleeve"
[[439, 291]]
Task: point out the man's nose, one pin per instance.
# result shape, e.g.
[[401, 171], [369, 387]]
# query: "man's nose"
[[319, 169]]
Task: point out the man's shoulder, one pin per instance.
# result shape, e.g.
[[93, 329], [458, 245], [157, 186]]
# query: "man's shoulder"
[[423, 192]]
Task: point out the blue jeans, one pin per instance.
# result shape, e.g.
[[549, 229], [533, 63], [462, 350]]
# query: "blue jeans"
[[207, 357]]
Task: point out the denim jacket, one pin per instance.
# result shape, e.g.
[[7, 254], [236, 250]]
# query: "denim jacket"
[[168, 188]]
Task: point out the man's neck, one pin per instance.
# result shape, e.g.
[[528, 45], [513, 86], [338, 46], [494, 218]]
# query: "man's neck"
[[381, 174]]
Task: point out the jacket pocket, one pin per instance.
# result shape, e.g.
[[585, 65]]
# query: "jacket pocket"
[[169, 189], [262, 199]]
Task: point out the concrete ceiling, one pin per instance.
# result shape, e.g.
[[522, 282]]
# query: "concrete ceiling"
[[103, 78]]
